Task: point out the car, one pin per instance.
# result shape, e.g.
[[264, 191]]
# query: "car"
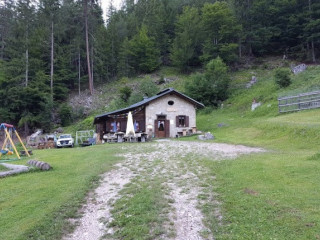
[[65, 140]]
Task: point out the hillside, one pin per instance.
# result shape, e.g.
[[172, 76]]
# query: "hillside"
[[108, 96], [51, 49]]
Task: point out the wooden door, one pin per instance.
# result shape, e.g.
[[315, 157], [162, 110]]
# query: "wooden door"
[[161, 128]]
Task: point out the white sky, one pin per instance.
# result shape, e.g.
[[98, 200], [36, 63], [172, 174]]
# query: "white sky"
[[105, 5]]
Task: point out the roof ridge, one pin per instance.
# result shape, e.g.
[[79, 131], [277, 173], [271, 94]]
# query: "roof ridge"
[[145, 101]]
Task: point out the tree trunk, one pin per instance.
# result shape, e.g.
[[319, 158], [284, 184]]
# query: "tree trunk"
[[87, 46], [312, 51], [79, 74], [240, 48], [92, 63], [51, 72], [2, 48], [250, 50], [312, 41], [27, 67], [26, 128]]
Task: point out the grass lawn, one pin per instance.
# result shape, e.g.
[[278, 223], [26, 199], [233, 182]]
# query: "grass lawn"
[[272, 195], [36, 205], [3, 169]]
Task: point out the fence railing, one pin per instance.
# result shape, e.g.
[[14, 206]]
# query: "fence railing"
[[299, 102]]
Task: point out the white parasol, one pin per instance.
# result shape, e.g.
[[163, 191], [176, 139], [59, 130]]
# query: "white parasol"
[[130, 127]]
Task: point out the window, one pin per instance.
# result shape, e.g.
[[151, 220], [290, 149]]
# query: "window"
[[136, 126], [118, 126], [170, 102], [115, 126], [182, 121], [112, 127]]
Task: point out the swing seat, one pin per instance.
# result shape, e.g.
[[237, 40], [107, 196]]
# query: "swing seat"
[[4, 152]]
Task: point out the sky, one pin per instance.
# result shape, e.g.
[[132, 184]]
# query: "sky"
[[105, 5]]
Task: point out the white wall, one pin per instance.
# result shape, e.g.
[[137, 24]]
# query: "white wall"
[[161, 106]]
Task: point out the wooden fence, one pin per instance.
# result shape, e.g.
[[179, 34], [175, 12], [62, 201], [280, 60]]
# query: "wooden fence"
[[299, 102]]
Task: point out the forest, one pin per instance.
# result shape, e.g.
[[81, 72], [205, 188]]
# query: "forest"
[[49, 48]]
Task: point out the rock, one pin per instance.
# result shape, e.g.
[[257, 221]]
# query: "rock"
[[59, 130], [201, 137], [298, 69], [255, 105], [252, 82], [206, 136], [222, 125]]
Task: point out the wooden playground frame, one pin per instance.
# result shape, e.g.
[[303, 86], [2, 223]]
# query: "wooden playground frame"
[[9, 129]]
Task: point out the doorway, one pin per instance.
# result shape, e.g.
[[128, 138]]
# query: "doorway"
[[162, 127]]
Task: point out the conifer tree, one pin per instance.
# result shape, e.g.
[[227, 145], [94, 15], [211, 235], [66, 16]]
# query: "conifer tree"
[[143, 52], [186, 45]]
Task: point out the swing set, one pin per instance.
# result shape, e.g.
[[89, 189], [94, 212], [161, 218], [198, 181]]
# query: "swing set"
[[8, 147]]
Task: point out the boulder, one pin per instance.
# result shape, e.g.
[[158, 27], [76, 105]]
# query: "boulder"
[[209, 136]]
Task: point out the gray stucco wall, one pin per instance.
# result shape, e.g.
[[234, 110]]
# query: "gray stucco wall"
[[161, 106]]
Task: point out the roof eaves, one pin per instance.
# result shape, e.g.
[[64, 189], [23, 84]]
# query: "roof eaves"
[[145, 101]]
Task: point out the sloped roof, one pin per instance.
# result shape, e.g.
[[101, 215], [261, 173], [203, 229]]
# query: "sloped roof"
[[148, 100]]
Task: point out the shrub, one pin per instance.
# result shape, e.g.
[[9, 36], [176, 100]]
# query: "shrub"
[[211, 87], [125, 93], [65, 114], [148, 87], [282, 77]]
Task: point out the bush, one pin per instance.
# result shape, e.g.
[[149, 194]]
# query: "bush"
[[125, 93], [210, 88], [282, 77], [148, 87], [65, 114], [134, 98]]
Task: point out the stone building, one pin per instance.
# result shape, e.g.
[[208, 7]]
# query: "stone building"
[[167, 114]]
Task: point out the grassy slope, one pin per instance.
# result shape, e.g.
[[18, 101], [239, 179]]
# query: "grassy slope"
[[43, 200], [272, 195]]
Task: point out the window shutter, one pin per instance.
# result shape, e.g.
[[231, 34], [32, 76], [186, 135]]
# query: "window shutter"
[[167, 128], [187, 121], [177, 121]]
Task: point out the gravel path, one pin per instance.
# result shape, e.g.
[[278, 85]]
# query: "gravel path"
[[97, 209], [183, 184]]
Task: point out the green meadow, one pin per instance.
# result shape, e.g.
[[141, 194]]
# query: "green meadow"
[[35, 205]]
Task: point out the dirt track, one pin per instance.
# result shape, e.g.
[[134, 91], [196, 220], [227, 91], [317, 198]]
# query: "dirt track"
[[184, 185]]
